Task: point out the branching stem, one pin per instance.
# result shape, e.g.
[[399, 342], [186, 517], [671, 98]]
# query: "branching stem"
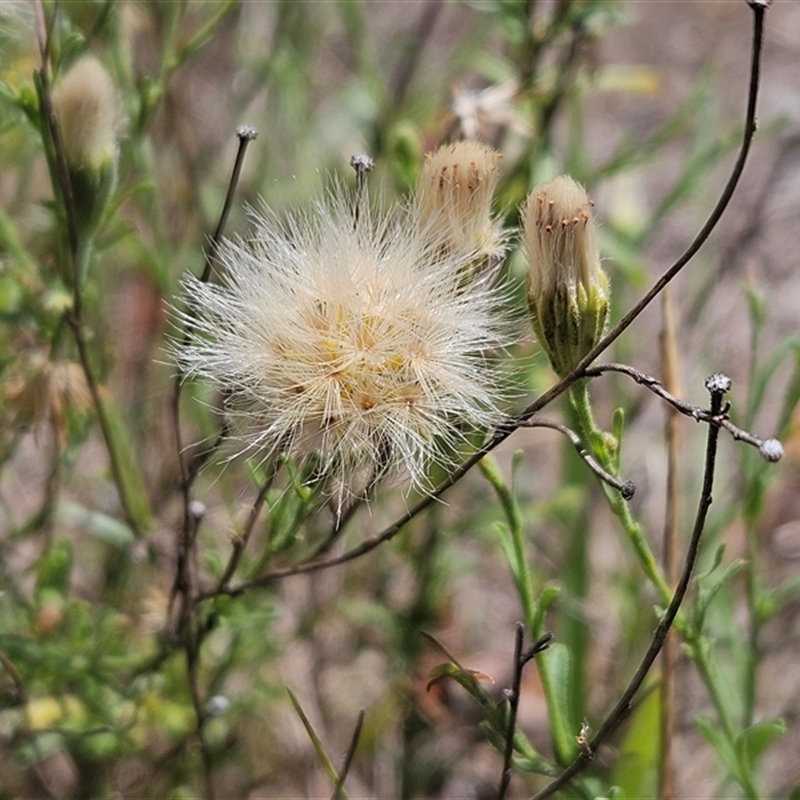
[[622, 707]]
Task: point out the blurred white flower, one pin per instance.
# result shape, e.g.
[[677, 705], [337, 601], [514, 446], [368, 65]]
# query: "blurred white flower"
[[477, 112], [357, 344]]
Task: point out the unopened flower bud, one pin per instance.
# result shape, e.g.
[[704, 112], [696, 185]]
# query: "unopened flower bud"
[[568, 291], [88, 113], [454, 195], [771, 450]]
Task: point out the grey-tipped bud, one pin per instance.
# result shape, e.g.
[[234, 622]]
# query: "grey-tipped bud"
[[718, 383], [771, 450]]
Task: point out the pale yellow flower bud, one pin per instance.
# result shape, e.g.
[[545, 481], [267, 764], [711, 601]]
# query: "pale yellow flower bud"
[[88, 113], [568, 291], [454, 194]]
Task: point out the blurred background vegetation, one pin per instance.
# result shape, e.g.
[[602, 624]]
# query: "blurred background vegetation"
[[104, 694]]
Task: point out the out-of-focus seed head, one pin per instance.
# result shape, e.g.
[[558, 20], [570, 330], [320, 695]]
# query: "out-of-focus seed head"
[[568, 291], [39, 392], [88, 113]]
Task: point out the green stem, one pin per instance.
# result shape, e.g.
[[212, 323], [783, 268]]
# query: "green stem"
[[579, 396], [533, 610]]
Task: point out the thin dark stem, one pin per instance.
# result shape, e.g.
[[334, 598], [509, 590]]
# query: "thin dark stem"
[[520, 660], [770, 449], [193, 657], [246, 134], [626, 488], [623, 705], [411, 59], [243, 538], [363, 165], [184, 583], [76, 325], [759, 8], [199, 459], [513, 705], [348, 759]]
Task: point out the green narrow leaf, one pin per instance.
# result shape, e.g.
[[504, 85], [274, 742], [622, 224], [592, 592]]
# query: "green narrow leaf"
[[322, 756], [102, 526], [636, 769], [754, 741], [723, 747], [556, 678], [131, 475]]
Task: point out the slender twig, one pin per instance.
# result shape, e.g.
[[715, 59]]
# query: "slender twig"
[[242, 539], [188, 472], [199, 459], [412, 56], [759, 8], [192, 648], [626, 488], [348, 759], [513, 705], [520, 660], [770, 449], [363, 165], [245, 134], [717, 386]]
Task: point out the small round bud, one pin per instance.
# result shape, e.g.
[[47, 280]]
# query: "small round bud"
[[197, 509], [771, 450], [217, 705], [247, 132], [718, 383], [628, 490]]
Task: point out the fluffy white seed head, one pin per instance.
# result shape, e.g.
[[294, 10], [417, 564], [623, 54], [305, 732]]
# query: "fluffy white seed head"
[[357, 344]]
